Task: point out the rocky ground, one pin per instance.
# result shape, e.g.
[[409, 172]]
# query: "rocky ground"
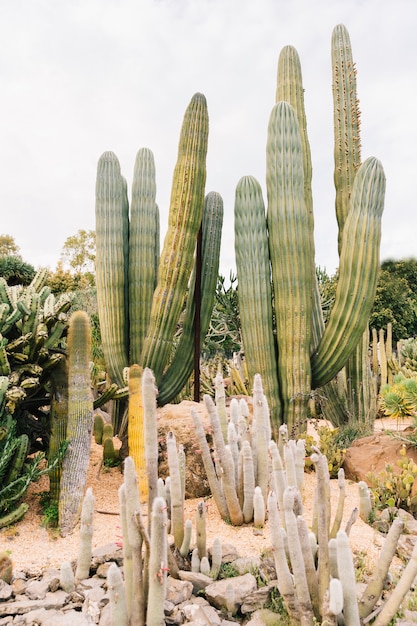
[[35, 594]]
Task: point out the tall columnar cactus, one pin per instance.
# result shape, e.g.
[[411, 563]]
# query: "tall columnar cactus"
[[112, 228], [136, 427], [307, 355], [80, 422], [140, 297]]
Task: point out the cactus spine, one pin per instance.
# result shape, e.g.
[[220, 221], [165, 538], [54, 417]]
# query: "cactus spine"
[[80, 422]]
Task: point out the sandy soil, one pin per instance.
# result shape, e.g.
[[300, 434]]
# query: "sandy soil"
[[33, 547]]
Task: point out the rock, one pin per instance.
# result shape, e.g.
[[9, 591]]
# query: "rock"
[[199, 581], [177, 418], [371, 454], [178, 591], [217, 593]]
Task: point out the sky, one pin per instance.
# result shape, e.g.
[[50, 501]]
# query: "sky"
[[80, 77]]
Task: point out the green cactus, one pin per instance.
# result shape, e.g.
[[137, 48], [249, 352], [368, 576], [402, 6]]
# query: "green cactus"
[[148, 293], [80, 422], [181, 366], [307, 356]]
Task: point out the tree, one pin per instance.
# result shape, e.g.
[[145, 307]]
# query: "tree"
[[396, 299], [8, 246], [15, 271], [79, 252]]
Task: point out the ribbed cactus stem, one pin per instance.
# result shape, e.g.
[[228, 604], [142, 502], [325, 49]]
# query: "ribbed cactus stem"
[[333, 566], [322, 499], [350, 601], [143, 249], [181, 366], [309, 564], [346, 118], [341, 482], [177, 502], [299, 461], [117, 598], [358, 274], [255, 289], [232, 440], [248, 482], [375, 585], [182, 462], [184, 221], [112, 224], [296, 557], [80, 422], [127, 549], [261, 413], [133, 512], [213, 481], [86, 536], [136, 428], [258, 508], [405, 583], [292, 257], [289, 462], [278, 476], [151, 433], [220, 401], [216, 557], [285, 582], [236, 516], [186, 542], [158, 564], [201, 530]]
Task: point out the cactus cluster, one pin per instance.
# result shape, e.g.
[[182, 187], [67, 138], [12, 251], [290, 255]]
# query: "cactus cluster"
[[284, 335], [141, 295], [237, 466]]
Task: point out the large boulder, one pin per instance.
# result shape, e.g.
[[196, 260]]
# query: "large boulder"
[[373, 453], [177, 418]]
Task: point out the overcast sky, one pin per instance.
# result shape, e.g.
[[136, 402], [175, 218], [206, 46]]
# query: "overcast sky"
[[78, 77]]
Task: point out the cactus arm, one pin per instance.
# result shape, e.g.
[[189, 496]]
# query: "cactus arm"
[[143, 249], [181, 366], [80, 422], [111, 238], [185, 215], [346, 115], [292, 258], [255, 290], [359, 267]]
